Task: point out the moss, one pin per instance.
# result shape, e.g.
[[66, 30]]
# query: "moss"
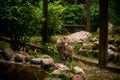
[[4, 44]]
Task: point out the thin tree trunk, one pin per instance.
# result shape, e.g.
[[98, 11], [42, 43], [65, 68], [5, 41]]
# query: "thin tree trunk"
[[45, 24], [103, 34], [88, 14]]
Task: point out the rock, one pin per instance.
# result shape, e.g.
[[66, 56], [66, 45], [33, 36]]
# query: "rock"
[[17, 71], [78, 70], [49, 61], [45, 56], [87, 45], [52, 78], [94, 39], [19, 58], [112, 47], [8, 54], [35, 61], [64, 75], [56, 72], [111, 29], [77, 77], [78, 37], [24, 56], [112, 56], [23, 53], [61, 67], [45, 62], [42, 61], [110, 52]]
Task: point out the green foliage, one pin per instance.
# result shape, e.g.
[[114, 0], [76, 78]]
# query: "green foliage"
[[94, 16], [55, 11], [114, 12], [22, 18], [49, 48], [74, 13]]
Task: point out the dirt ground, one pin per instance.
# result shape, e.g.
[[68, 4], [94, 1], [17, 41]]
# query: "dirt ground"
[[93, 72]]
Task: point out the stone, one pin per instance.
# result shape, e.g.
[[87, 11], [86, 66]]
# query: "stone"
[[62, 74], [56, 72], [35, 61], [8, 54], [87, 45], [45, 56], [52, 78], [17, 71], [44, 59], [112, 55], [49, 61], [78, 70], [23, 55], [78, 37], [111, 29], [112, 47], [45, 62], [19, 58], [61, 67], [77, 77]]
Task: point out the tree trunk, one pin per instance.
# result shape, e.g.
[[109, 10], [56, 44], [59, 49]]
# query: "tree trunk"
[[88, 14], [103, 34], [45, 24]]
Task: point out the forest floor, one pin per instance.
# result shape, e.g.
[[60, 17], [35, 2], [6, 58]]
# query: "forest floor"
[[93, 72], [91, 68]]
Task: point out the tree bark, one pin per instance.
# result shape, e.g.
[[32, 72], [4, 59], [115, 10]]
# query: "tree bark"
[[88, 14], [45, 24], [103, 33]]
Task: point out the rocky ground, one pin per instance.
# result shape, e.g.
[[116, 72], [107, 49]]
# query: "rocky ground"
[[84, 65], [93, 72], [81, 67]]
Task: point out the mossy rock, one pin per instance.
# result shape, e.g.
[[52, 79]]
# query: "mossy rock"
[[64, 75]]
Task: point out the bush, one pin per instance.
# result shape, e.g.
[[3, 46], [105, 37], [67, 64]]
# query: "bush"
[[55, 10], [74, 13], [22, 18], [94, 16]]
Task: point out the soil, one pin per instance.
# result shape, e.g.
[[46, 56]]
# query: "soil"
[[94, 72]]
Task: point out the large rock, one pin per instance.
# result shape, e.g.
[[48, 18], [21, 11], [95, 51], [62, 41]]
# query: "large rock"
[[78, 70], [22, 56], [45, 61], [78, 37], [111, 29], [17, 71], [79, 73], [8, 54]]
